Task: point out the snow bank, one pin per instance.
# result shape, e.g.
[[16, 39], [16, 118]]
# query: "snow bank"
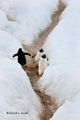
[[61, 79], [26, 18], [70, 110], [16, 93], [65, 1], [20, 21]]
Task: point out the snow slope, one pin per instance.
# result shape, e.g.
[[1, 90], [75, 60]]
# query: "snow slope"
[[70, 110], [16, 93], [20, 22], [26, 18], [61, 80]]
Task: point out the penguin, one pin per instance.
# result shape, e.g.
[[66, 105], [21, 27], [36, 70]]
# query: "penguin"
[[21, 57], [38, 55], [43, 63]]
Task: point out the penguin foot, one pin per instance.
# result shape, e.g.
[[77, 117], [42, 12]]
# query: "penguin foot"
[[25, 66]]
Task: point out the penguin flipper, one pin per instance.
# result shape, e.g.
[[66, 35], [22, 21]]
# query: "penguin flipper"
[[33, 55], [27, 54], [47, 59], [15, 55]]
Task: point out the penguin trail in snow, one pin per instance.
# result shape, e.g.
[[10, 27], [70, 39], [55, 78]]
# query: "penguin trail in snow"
[[49, 106]]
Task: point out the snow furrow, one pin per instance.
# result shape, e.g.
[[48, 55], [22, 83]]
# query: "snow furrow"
[[49, 107]]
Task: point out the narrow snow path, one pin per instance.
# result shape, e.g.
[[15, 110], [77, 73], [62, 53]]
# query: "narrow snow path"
[[48, 105]]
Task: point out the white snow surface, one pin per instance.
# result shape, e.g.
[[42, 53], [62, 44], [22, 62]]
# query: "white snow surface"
[[20, 22], [61, 80], [25, 19], [70, 110], [16, 93]]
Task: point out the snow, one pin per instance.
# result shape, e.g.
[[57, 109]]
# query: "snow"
[[25, 19], [70, 110], [15, 89], [61, 80], [20, 22]]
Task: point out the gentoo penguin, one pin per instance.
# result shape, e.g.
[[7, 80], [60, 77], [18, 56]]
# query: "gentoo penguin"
[[38, 55], [21, 57], [43, 63]]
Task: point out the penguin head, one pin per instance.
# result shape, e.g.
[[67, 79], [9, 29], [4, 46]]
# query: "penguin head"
[[41, 50], [43, 56], [20, 50]]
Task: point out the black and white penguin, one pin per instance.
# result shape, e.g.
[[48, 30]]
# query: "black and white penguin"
[[38, 55], [21, 57], [43, 63]]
